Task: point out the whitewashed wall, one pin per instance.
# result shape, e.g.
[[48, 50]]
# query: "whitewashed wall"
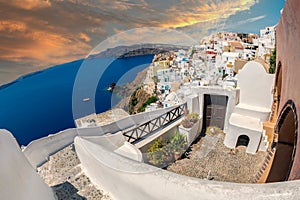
[[38, 151], [125, 179], [18, 179]]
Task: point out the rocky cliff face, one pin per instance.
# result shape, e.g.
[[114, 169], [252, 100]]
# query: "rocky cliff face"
[[127, 90], [137, 99], [137, 50]]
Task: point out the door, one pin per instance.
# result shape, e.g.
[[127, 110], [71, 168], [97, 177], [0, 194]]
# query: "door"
[[214, 110]]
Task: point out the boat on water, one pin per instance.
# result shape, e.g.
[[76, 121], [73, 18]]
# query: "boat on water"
[[86, 99], [111, 87]]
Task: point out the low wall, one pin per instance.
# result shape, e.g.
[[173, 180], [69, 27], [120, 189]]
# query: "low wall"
[[18, 179], [125, 179], [163, 134], [38, 151]]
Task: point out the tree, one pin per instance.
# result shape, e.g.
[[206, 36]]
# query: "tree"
[[272, 68]]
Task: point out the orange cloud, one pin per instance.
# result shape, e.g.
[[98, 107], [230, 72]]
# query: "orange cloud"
[[41, 47], [30, 4], [12, 26], [189, 12], [50, 32], [84, 37]]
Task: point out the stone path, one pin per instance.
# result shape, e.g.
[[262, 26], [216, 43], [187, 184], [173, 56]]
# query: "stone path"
[[63, 173], [210, 159], [111, 116]]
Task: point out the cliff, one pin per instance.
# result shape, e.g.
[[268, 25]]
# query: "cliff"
[[127, 90], [137, 50]]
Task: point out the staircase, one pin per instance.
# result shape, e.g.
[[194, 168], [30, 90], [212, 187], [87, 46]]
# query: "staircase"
[[63, 173], [264, 144], [262, 174]]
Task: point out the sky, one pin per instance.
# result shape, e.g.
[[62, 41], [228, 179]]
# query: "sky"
[[36, 34]]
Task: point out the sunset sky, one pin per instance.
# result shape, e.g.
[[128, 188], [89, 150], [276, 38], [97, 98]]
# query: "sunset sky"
[[35, 34]]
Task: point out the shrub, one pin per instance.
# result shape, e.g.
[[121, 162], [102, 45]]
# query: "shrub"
[[155, 153], [190, 119], [161, 151], [194, 117], [178, 142], [150, 100], [272, 68]]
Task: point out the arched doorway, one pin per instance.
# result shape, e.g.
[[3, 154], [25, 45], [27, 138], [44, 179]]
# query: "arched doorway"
[[287, 130], [243, 140]]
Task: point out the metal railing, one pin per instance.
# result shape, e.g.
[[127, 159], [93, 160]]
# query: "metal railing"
[[155, 124]]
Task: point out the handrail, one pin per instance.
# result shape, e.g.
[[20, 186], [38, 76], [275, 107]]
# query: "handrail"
[[159, 122]]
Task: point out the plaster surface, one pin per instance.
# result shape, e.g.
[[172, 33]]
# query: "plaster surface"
[[18, 179], [128, 179], [288, 54]]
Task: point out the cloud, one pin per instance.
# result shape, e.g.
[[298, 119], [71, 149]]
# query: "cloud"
[[12, 26], [44, 32], [190, 12], [30, 4], [24, 44], [250, 20], [84, 37]]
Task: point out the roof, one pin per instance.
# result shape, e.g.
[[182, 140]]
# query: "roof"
[[236, 45]]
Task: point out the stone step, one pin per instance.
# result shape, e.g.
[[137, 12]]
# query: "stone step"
[[253, 111], [64, 174], [246, 122]]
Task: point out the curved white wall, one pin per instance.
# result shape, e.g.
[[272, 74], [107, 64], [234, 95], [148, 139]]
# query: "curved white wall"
[[38, 151], [125, 179], [18, 179]]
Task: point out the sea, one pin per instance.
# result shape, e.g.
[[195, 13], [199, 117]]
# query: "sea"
[[42, 103]]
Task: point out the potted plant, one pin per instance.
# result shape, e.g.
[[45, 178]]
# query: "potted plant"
[[160, 152], [154, 153], [179, 144], [190, 126]]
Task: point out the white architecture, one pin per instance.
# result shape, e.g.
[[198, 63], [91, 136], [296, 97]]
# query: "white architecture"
[[230, 57], [127, 179], [18, 178], [254, 107], [266, 42]]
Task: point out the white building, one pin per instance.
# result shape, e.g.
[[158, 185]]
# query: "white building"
[[230, 57], [255, 101], [266, 42]]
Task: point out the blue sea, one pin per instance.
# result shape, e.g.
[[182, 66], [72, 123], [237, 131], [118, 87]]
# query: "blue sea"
[[40, 103]]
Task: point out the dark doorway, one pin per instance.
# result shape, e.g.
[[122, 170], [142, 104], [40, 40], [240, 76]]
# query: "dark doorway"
[[285, 147], [214, 111], [243, 140]]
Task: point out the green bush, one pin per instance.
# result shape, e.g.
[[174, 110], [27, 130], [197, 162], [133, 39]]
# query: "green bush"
[[161, 151], [272, 68], [150, 100], [155, 153], [178, 142]]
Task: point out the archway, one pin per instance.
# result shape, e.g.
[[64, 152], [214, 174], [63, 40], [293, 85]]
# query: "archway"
[[287, 130], [243, 140]]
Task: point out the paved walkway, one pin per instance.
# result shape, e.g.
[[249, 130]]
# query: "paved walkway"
[[210, 159]]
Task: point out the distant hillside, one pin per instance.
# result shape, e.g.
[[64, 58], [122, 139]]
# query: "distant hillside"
[[137, 50]]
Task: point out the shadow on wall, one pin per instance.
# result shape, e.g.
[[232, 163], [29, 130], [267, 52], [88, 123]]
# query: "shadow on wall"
[[65, 191]]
